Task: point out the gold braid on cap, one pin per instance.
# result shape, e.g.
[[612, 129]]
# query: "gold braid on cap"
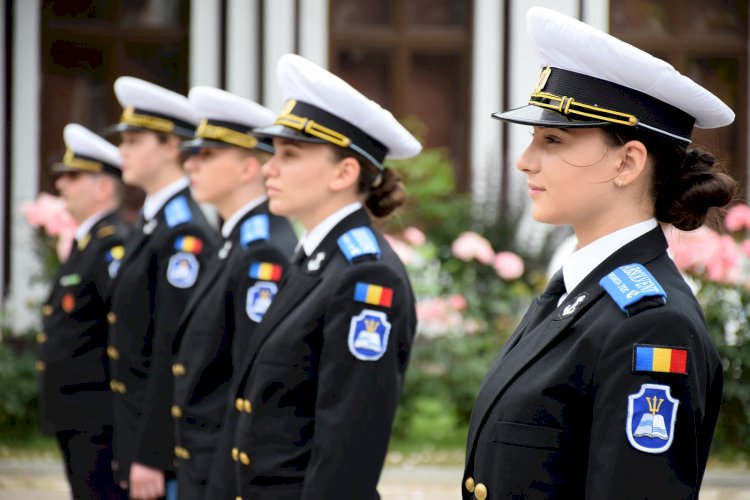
[[310, 127], [72, 161], [224, 134], [130, 117]]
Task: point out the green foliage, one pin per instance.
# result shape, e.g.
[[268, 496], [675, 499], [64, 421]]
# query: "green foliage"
[[727, 310], [18, 378]]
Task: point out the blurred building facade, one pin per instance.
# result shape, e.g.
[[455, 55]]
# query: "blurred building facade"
[[447, 63]]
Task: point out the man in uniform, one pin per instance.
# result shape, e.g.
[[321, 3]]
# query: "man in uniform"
[[76, 404], [163, 265], [225, 171]]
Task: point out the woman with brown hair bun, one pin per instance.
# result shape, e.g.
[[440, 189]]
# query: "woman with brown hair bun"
[[610, 386], [324, 369]]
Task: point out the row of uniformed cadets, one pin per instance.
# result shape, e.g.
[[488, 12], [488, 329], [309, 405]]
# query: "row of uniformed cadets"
[[609, 388], [159, 377]]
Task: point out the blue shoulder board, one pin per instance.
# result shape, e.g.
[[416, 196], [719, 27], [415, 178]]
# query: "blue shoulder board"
[[632, 284], [357, 242], [177, 211], [255, 228]]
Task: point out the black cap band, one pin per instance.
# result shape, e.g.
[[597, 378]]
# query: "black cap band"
[[73, 162], [587, 98], [144, 119], [320, 124]]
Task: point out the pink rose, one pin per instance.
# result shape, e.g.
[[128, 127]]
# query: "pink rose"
[[746, 247], [470, 245], [414, 236], [508, 266], [737, 218], [457, 301], [404, 251]]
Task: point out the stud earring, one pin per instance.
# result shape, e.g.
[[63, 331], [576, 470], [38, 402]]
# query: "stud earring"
[[619, 183]]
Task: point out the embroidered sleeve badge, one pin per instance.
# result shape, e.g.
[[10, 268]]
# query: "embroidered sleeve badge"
[[650, 359], [652, 413], [373, 294], [182, 271], [368, 335], [259, 298]]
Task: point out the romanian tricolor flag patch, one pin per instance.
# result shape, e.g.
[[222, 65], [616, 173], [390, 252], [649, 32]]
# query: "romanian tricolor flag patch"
[[373, 294], [649, 359], [189, 244], [266, 271]]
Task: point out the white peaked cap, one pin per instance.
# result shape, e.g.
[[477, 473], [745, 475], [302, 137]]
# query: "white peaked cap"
[[220, 105], [88, 152], [153, 107], [661, 98], [314, 95], [227, 120]]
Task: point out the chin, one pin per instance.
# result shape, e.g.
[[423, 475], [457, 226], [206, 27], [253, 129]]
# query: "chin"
[[277, 208]]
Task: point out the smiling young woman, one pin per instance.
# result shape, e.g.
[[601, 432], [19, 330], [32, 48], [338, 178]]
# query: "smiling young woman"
[[610, 386]]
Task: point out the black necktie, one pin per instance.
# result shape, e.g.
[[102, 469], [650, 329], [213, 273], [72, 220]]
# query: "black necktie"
[[299, 257], [547, 301]]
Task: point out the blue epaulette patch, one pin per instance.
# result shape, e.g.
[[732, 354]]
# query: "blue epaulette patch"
[[255, 228], [632, 284], [177, 211], [358, 242]]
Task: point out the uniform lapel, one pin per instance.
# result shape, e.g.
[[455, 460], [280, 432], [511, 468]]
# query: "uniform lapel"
[[506, 368]]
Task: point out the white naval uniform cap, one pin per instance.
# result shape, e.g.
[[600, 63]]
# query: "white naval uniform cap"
[[592, 79], [226, 119], [88, 152], [147, 106], [321, 107]]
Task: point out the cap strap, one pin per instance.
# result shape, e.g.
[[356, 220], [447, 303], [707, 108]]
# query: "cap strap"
[[207, 130], [310, 127], [569, 106]]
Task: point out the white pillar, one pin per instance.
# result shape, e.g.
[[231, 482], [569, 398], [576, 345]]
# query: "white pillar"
[[3, 161], [205, 38], [313, 36], [243, 61], [24, 163], [278, 25], [486, 90]]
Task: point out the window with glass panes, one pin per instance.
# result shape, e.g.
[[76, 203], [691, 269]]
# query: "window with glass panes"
[[86, 45], [413, 57], [706, 40]]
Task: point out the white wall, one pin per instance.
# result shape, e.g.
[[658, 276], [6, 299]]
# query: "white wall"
[[3, 163], [313, 37], [242, 51], [24, 163], [205, 40], [279, 40], [486, 92]]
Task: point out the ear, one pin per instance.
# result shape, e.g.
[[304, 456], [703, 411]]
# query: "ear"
[[250, 169], [345, 175], [173, 148], [633, 163]]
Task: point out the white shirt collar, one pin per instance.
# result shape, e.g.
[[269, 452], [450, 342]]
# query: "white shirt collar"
[[83, 229], [310, 241], [585, 260], [154, 202], [226, 228]]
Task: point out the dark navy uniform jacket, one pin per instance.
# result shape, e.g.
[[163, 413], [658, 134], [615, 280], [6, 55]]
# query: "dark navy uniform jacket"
[[241, 281], [324, 372], [580, 407], [164, 263], [74, 380]]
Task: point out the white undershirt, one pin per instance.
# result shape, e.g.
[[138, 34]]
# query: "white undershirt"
[[310, 241], [226, 228], [154, 202], [581, 262]]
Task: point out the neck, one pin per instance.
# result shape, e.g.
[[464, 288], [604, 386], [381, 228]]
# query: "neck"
[[231, 203], [164, 178], [104, 207], [311, 219]]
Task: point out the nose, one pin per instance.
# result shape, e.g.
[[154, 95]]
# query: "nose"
[[269, 168], [191, 164], [526, 162]]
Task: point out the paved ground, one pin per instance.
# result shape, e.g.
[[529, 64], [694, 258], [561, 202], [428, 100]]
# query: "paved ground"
[[43, 480]]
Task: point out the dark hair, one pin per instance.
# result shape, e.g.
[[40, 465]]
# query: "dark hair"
[[688, 188], [383, 188]]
